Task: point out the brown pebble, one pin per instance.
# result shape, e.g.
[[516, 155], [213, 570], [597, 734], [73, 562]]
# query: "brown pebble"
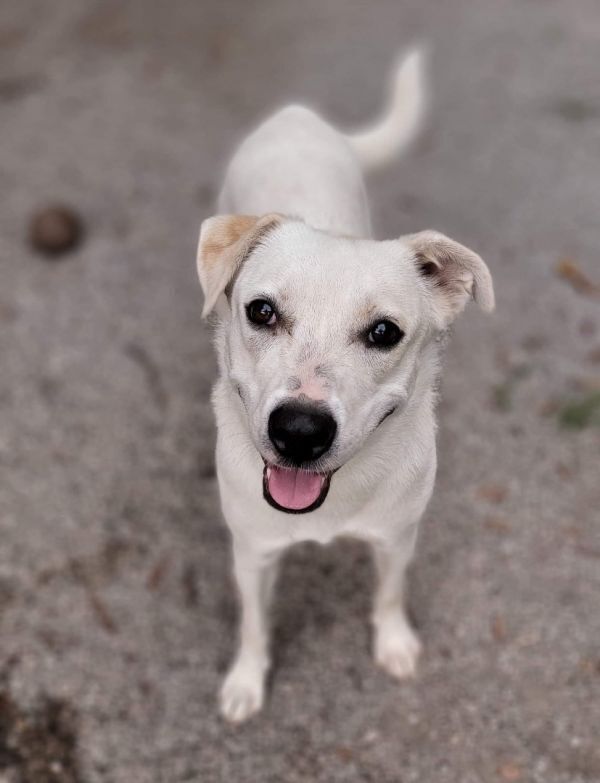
[[55, 230]]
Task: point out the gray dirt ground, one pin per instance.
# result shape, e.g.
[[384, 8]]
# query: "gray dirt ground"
[[116, 608]]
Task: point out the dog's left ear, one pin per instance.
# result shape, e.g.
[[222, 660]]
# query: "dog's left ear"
[[225, 241], [454, 273]]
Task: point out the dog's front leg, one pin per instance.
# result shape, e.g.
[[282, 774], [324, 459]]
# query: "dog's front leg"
[[396, 645], [243, 690]]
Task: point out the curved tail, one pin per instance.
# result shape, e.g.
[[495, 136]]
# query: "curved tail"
[[402, 117]]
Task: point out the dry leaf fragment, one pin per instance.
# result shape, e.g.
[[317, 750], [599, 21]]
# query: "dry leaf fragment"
[[101, 611], [569, 270], [510, 771], [492, 493], [497, 524], [158, 572], [344, 753], [498, 628]]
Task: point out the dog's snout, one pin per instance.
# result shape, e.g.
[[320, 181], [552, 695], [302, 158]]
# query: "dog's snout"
[[301, 433]]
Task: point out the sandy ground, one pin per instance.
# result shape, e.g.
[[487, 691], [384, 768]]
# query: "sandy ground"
[[116, 607]]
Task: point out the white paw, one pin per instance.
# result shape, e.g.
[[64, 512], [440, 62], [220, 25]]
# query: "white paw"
[[242, 693], [397, 648]]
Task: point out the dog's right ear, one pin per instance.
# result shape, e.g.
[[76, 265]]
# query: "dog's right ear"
[[225, 241]]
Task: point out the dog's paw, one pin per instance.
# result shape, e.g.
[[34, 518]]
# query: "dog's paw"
[[242, 694], [397, 648]]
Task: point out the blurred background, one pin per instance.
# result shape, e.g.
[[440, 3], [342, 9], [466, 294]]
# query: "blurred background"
[[116, 606]]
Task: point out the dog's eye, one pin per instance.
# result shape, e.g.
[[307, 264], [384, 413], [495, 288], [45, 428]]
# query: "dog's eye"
[[261, 312], [384, 334]]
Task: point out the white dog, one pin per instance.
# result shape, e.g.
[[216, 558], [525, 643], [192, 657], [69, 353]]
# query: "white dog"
[[328, 345]]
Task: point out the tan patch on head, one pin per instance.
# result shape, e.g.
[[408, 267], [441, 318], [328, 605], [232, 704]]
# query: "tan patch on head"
[[224, 234], [225, 242]]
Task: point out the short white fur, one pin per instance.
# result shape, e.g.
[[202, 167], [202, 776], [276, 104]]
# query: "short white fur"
[[318, 262]]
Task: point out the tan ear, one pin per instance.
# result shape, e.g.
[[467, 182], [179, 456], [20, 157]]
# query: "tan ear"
[[455, 273], [225, 241]]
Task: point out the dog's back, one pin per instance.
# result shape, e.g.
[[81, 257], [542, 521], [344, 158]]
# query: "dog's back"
[[298, 164]]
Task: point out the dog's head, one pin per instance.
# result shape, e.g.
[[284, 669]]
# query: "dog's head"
[[324, 336]]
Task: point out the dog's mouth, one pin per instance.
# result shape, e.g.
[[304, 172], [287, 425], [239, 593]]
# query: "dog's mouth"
[[293, 490]]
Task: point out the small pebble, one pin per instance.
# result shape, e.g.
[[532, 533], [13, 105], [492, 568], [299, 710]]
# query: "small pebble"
[[55, 230]]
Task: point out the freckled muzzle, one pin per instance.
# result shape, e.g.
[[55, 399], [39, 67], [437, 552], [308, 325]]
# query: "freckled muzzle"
[[300, 433]]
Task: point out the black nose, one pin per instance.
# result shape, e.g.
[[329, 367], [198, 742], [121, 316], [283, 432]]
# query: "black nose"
[[301, 433]]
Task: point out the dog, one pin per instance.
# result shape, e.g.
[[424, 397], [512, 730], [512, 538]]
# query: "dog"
[[328, 345]]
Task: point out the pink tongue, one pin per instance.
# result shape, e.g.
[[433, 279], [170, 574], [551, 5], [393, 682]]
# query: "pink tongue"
[[294, 489]]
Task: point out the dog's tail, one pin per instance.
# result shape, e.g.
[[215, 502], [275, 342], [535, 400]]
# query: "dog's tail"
[[402, 117]]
